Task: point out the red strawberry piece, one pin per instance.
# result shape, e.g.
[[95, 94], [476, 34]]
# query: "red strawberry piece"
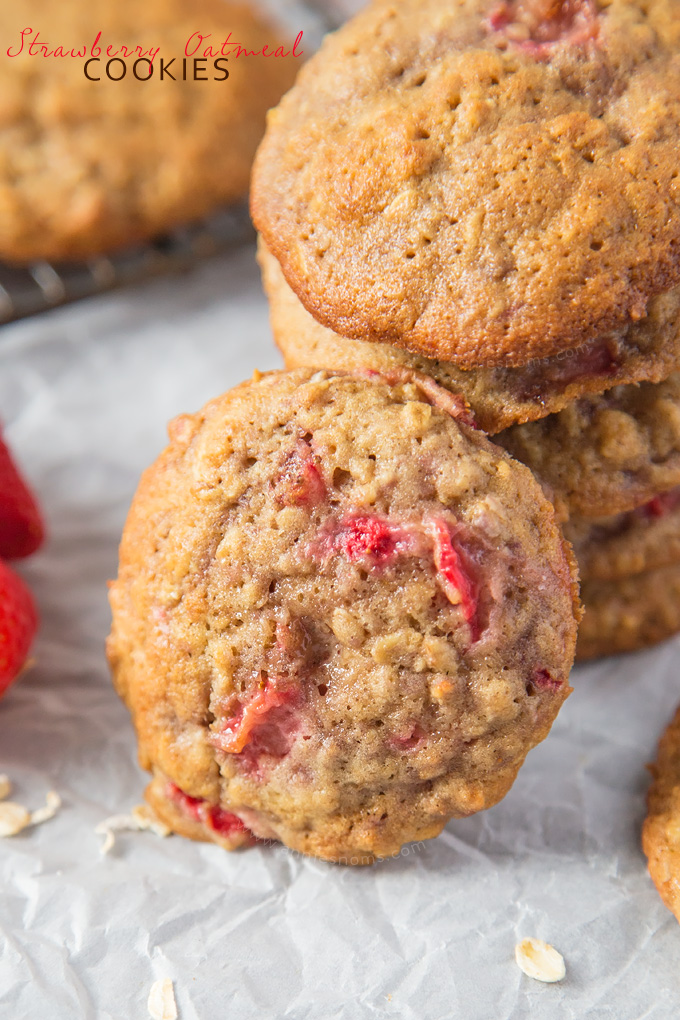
[[301, 483], [548, 22], [661, 505], [368, 538], [21, 526], [544, 681], [259, 714], [216, 818], [18, 624], [458, 586], [225, 823]]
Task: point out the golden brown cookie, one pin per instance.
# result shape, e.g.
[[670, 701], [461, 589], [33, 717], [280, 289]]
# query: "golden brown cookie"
[[498, 397], [629, 613], [479, 182], [342, 616], [661, 829], [605, 454], [87, 166], [608, 548]]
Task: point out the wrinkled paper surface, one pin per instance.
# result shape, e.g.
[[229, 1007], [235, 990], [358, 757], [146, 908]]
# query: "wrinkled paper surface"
[[85, 393]]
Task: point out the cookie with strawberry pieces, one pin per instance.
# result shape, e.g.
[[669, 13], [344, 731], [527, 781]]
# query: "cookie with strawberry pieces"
[[342, 616]]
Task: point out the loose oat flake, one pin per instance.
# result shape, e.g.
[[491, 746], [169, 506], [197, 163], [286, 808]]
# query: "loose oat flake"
[[161, 1003], [140, 818], [14, 818], [52, 805], [539, 960]]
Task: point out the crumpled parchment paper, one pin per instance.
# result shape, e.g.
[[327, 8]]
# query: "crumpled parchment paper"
[[85, 393]]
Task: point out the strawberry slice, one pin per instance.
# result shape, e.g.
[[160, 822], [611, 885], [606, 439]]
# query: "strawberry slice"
[[224, 823], [301, 482], [456, 582], [18, 624], [368, 538], [238, 731], [21, 526], [660, 505]]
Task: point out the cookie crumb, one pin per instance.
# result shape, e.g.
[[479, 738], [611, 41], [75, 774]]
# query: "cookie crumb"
[[161, 1002], [5, 786], [13, 818], [539, 961]]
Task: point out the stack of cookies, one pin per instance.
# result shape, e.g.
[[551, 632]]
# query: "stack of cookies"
[[487, 194]]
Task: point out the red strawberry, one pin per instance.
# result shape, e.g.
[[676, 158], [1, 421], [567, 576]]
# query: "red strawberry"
[[18, 624], [21, 526]]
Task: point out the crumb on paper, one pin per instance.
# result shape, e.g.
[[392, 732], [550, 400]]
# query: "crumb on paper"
[[161, 1003], [5, 787], [539, 961], [140, 819], [13, 818]]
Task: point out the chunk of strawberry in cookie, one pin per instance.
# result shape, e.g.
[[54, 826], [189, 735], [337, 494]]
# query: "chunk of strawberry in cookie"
[[301, 482], [660, 505], [537, 26], [266, 725], [366, 538], [410, 740], [224, 823], [455, 578], [542, 680], [589, 362]]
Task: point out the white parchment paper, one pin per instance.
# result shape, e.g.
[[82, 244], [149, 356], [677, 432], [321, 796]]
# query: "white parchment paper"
[[85, 393]]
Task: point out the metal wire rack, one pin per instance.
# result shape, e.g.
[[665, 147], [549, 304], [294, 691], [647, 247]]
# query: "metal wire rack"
[[45, 285]]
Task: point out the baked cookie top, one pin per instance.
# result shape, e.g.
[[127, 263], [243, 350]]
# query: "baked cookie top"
[[605, 454], [661, 829], [88, 166], [480, 182], [498, 397], [341, 614]]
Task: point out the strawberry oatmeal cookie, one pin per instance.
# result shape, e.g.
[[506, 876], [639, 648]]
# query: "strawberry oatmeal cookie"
[[629, 613], [609, 548], [498, 397], [342, 616], [485, 182], [605, 454], [661, 829], [87, 166]]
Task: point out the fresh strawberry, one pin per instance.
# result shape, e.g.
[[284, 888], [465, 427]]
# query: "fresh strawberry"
[[21, 526], [18, 624]]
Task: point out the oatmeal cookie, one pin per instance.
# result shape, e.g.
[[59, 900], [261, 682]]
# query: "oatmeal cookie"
[[498, 397], [629, 613], [605, 454], [89, 166], [342, 616], [608, 548], [661, 829], [479, 182]]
